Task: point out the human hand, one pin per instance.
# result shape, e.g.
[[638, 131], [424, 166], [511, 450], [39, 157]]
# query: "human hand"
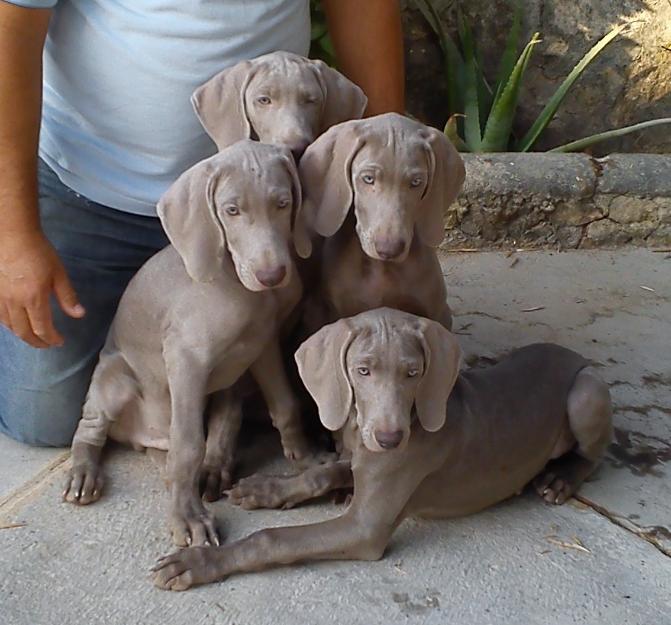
[[30, 271]]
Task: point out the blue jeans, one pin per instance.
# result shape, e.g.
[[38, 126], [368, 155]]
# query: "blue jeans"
[[42, 390]]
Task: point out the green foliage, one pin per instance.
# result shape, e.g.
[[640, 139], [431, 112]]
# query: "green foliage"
[[320, 42], [481, 118]]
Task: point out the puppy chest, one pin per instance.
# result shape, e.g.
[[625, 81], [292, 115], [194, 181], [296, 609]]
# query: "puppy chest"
[[376, 289], [232, 360]]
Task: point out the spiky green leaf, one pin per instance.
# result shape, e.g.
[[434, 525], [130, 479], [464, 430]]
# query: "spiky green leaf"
[[581, 144], [472, 131], [500, 122], [452, 133], [547, 114], [451, 55], [510, 51]]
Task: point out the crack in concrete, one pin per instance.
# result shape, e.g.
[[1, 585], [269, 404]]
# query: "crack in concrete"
[[10, 503], [653, 534]]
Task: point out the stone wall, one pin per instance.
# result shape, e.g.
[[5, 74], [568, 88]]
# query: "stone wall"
[[631, 82], [562, 201]]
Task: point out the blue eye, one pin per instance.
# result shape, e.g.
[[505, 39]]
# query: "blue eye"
[[363, 371], [264, 99], [368, 178], [232, 210], [415, 182]]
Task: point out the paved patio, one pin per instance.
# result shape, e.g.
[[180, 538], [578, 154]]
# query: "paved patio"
[[604, 558]]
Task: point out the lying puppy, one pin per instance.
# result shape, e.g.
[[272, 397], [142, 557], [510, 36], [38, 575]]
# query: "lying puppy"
[[195, 318], [425, 441], [279, 98], [377, 189]]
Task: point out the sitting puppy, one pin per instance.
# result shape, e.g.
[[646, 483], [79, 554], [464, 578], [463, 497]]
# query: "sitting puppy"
[[195, 318], [425, 441], [377, 189], [280, 98]]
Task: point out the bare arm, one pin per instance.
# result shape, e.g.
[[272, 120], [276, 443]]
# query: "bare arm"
[[29, 267], [368, 41]]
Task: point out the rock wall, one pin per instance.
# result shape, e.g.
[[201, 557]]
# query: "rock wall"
[[564, 201], [629, 83]]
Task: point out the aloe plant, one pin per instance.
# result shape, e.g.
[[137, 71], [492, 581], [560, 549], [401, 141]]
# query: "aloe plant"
[[481, 118]]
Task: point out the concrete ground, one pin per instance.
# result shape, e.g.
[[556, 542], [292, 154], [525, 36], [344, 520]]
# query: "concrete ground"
[[602, 558]]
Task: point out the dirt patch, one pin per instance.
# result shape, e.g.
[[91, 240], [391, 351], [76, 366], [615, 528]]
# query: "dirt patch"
[[641, 453]]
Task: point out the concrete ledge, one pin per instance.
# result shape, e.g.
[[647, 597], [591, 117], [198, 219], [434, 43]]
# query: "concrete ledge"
[[568, 201]]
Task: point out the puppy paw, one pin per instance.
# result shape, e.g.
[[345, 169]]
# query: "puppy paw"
[[214, 480], [83, 484], [185, 568], [313, 458], [553, 488], [261, 491], [193, 525]]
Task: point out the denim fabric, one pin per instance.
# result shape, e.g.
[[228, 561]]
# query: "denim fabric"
[[42, 390]]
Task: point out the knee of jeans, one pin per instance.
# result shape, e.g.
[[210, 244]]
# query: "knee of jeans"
[[40, 418]]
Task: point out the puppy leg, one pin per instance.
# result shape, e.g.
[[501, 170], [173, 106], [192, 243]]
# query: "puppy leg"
[[589, 413], [382, 488], [284, 408], [446, 317], [190, 521], [113, 387], [265, 491], [224, 420]]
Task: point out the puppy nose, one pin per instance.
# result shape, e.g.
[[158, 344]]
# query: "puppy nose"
[[389, 248], [271, 277], [389, 440]]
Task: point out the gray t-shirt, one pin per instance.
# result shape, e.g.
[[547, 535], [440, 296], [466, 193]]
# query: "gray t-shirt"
[[117, 122]]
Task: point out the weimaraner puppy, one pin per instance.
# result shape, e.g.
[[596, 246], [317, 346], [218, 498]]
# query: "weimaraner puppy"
[[378, 188], [195, 318], [279, 98], [424, 439]]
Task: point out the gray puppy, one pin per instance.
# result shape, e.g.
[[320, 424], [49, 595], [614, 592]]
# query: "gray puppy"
[[279, 98], [195, 318], [424, 440], [377, 189]]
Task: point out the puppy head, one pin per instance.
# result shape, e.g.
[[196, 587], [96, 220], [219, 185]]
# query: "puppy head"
[[398, 174], [279, 98], [236, 206], [386, 366]]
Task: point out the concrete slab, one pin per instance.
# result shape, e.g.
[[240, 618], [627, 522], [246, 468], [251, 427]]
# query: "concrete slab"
[[91, 565], [20, 464], [613, 307], [522, 561]]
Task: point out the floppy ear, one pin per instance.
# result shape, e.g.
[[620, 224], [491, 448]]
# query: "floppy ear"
[[321, 364], [220, 105], [302, 241], [326, 174], [446, 176], [343, 100], [442, 360], [187, 214]]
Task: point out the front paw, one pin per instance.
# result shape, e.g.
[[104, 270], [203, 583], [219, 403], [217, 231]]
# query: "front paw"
[[553, 488], [214, 480], [299, 452], [185, 568], [261, 491], [192, 524], [315, 457], [84, 484]]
